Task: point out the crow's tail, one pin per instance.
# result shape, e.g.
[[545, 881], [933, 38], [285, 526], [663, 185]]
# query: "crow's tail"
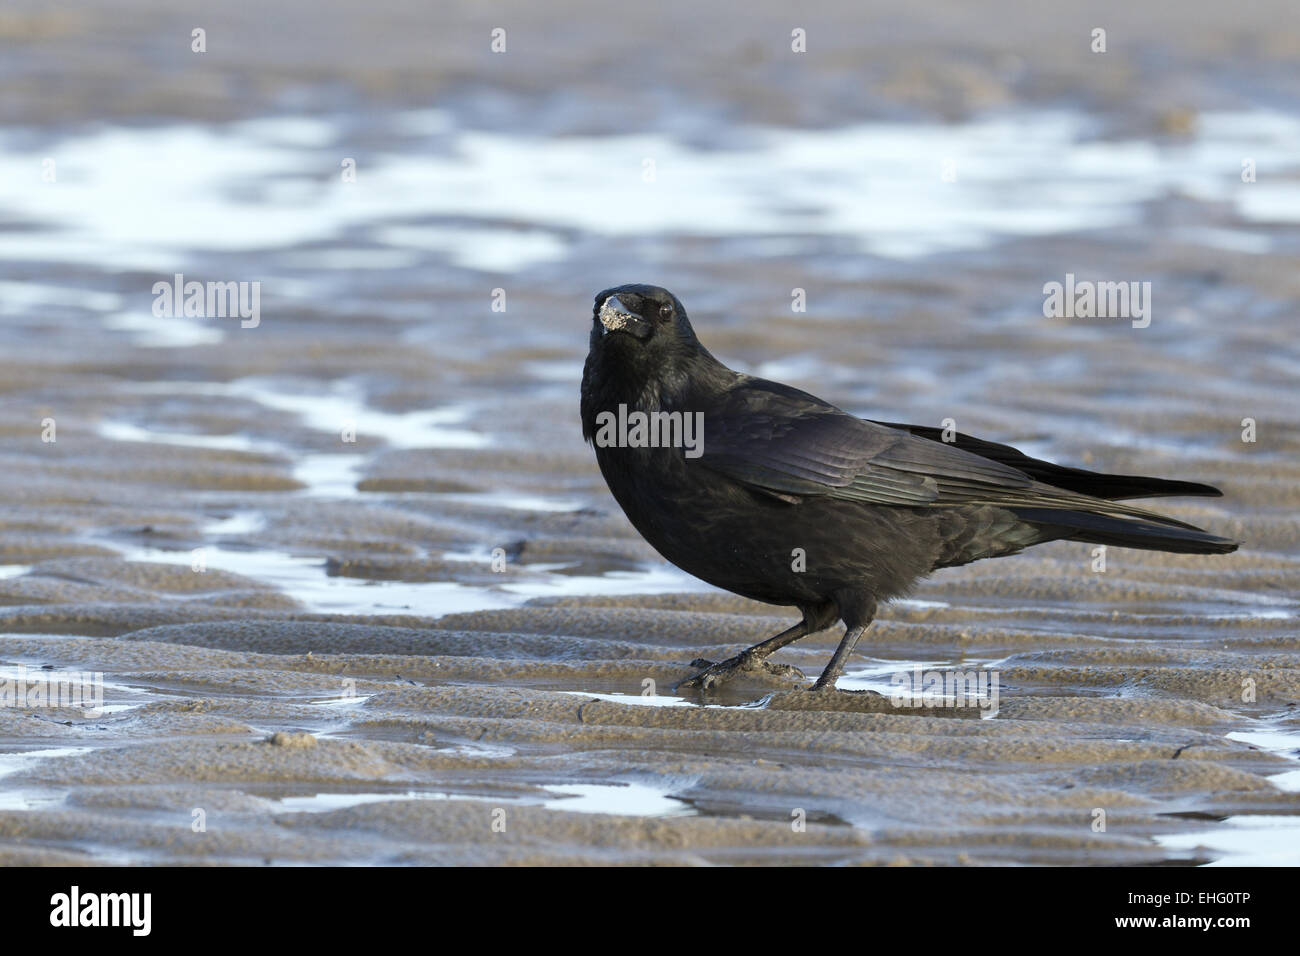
[[1123, 532]]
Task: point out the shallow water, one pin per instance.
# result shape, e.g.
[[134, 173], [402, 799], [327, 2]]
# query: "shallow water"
[[157, 197]]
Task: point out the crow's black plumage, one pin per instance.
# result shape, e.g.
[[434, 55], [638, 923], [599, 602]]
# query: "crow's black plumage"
[[789, 500]]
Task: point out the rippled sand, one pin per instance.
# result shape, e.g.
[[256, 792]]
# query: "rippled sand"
[[353, 677]]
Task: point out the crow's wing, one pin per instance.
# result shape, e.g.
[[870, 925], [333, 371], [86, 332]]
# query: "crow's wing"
[[1096, 484], [780, 439], [792, 445]]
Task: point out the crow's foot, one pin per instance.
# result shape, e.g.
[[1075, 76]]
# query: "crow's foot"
[[743, 664]]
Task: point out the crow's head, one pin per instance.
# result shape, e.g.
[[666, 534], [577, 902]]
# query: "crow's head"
[[644, 354], [641, 325]]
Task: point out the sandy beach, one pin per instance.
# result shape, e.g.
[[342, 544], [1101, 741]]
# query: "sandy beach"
[[354, 587]]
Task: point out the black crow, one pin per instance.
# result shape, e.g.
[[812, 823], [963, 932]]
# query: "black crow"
[[776, 495]]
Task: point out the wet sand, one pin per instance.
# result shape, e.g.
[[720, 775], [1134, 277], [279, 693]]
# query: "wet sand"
[[351, 678]]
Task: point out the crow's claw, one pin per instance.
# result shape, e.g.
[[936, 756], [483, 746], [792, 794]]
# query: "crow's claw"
[[742, 664]]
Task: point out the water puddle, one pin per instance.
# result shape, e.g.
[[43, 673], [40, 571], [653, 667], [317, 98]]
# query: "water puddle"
[[125, 431], [654, 579], [343, 703], [618, 799], [11, 763], [1244, 840], [340, 411], [512, 501], [148, 331], [304, 578], [747, 702], [490, 751], [32, 798], [967, 683], [70, 690], [1284, 743], [629, 799], [18, 298], [485, 248], [343, 407], [636, 700], [918, 605]]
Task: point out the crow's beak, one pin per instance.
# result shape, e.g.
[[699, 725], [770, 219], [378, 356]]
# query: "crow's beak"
[[616, 317]]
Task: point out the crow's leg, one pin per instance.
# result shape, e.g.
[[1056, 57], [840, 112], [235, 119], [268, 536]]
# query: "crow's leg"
[[856, 620], [756, 658]]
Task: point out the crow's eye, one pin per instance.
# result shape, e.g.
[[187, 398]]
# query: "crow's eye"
[[665, 311]]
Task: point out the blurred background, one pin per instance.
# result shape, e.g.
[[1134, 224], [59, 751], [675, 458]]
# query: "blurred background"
[[865, 200]]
